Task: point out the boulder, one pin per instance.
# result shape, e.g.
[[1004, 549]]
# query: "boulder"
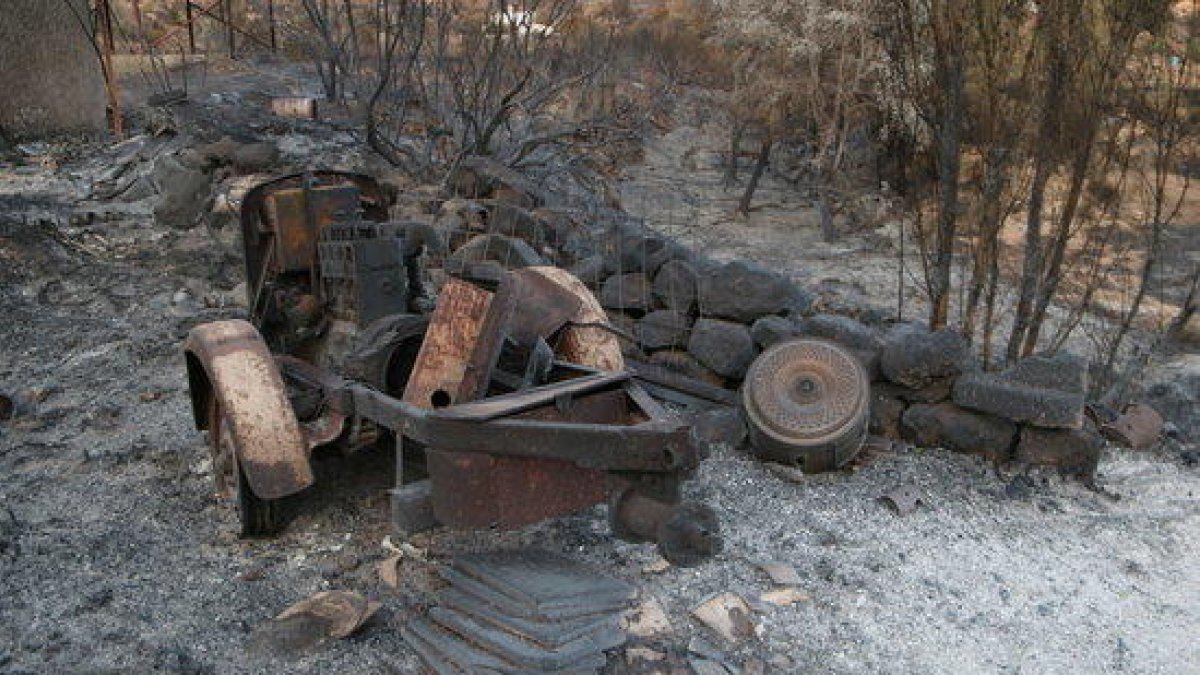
[[662, 329], [771, 329], [724, 347], [1074, 452], [514, 221], [184, 191], [675, 286], [864, 341], [1173, 390], [744, 292], [685, 364], [945, 425], [509, 252], [935, 392], [626, 291], [591, 271], [886, 411], [255, 157], [638, 250], [479, 177], [213, 155], [570, 235], [914, 357], [1044, 391]]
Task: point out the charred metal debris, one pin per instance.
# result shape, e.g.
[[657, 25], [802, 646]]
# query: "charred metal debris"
[[509, 403]]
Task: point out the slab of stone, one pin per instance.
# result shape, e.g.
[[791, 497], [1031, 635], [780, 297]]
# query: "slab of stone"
[[727, 615], [945, 425], [915, 357], [514, 221], [772, 329], [865, 342], [662, 329], [675, 286], [781, 573], [846, 331], [935, 391], [1043, 391], [477, 177], [744, 292], [509, 252], [638, 251], [723, 347], [1074, 452], [626, 291], [886, 411]]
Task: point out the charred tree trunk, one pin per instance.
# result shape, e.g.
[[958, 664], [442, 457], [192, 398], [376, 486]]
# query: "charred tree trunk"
[[949, 155], [1190, 304], [735, 145], [760, 165]]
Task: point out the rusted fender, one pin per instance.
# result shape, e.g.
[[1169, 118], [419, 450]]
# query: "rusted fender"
[[230, 360]]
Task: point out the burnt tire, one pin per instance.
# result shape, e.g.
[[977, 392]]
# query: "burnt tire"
[[257, 517]]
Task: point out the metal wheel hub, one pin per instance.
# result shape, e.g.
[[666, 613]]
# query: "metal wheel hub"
[[806, 403]]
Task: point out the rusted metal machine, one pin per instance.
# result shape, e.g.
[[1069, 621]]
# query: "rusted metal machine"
[[508, 404], [806, 403]]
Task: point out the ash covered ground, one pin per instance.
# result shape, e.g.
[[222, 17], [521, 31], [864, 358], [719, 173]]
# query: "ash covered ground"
[[115, 556]]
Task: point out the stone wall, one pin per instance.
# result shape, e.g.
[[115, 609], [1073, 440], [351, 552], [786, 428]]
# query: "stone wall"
[[49, 72], [709, 320]]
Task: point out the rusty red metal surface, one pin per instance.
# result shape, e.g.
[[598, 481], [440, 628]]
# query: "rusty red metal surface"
[[1139, 427]]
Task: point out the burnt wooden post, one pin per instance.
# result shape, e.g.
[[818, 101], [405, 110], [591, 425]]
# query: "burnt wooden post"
[[191, 25]]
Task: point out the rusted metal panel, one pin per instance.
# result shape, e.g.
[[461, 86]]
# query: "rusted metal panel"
[[509, 491], [441, 376], [257, 227], [1139, 427], [585, 341], [296, 216], [655, 446], [521, 401], [242, 374], [543, 305]]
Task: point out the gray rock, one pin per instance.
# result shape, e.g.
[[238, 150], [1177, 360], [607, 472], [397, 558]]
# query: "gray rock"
[[662, 329], [1174, 391], [886, 411], [675, 286], [478, 177], [772, 329], [514, 221], [1044, 391], [184, 191], [843, 330], [509, 252], [637, 251], [591, 271], [744, 292], [255, 157], [1074, 452], [724, 347], [945, 425], [935, 392], [914, 357], [626, 291]]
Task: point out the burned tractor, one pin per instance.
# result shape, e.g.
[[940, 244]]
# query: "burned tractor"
[[507, 400]]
